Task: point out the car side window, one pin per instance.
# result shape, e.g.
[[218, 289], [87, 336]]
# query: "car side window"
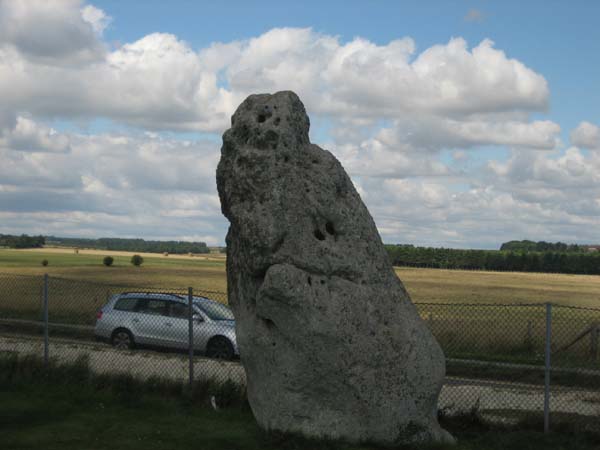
[[125, 304], [179, 310], [153, 307]]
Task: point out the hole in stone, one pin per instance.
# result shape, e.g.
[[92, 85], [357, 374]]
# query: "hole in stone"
[[286, 158], [309, 281], [315, 161], [307, 190], [261, 118], [276, 121], [269, 323], [329, 228], [319, 235], [322, 281]]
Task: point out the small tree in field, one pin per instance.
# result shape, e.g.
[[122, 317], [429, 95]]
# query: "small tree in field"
[[108, 261], [44, 262], [137, 260]]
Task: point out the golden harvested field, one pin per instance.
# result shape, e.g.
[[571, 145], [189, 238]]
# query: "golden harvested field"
[[80, 285], [207, 272], [460, 286]]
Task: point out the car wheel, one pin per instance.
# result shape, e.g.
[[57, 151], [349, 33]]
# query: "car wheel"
[[122, 339], [219, 348]]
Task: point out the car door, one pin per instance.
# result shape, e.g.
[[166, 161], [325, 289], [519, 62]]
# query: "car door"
[[204, 328], [121, 315], [179, 330], [150, 323], [178, 323]]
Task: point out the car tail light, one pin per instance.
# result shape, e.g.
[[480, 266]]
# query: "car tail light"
[[99, 315]]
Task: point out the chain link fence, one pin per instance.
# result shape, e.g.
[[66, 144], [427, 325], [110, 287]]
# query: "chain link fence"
[[517, 362], [119, 329], [505, 362]]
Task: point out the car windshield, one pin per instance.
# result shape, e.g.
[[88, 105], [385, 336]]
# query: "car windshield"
[[214, 310]]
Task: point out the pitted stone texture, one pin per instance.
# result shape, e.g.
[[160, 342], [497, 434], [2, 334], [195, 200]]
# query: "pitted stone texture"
[[331, 343]]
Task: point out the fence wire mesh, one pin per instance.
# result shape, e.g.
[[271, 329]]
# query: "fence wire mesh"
[[495, 353], [575, 360], [21, 314], [121, 329], [495, 360]]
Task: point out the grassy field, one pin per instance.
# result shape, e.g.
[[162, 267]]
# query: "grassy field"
[[452, 302], [158, 271], [63, 409]]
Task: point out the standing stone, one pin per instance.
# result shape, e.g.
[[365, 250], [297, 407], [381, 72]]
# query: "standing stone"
[[329, 338]]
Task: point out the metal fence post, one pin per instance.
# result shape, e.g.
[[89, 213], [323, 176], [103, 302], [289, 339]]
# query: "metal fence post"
[[191, 337], [46, 337], [547, 368], [594, 341]]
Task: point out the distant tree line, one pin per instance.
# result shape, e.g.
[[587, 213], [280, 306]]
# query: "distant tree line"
[[22, 241], [132, 245], [542, 246], [575, 262]]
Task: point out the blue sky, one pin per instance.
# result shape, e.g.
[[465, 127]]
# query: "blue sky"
[[462, 123]]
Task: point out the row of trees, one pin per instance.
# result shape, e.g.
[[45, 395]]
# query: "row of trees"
[[497, 260], [23, 241], [132, 245], [542, 246]]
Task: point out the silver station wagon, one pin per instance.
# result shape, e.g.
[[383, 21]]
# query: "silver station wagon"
[[161, 320]]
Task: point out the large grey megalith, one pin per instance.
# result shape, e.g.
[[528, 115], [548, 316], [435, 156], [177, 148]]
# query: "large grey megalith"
[[329, 338]]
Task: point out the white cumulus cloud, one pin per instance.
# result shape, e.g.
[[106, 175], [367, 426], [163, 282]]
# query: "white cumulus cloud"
[[55, 32], [586, 135], [30, 136]]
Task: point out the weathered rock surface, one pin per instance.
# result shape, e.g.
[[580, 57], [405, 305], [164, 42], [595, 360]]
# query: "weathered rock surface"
[[331, 343]]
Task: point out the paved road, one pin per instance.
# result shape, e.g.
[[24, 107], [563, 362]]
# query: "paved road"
[[458, 394], [473, 362], [103, 358]]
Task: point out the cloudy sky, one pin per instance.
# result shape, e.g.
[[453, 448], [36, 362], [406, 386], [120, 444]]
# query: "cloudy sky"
[[462, 123]]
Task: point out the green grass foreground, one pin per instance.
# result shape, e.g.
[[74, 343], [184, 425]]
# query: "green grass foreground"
[[66, 408]]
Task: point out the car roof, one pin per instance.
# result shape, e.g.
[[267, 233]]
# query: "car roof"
[[162, 296]]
